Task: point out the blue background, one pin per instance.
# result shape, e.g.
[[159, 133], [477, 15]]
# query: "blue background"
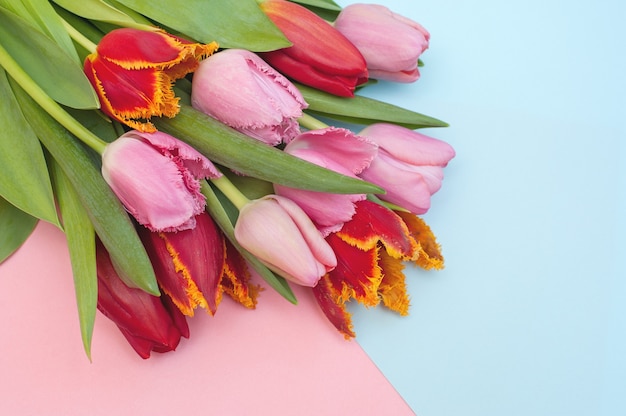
[[529, 315]]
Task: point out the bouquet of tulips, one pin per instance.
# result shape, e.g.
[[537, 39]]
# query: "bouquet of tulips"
[[183, 146]]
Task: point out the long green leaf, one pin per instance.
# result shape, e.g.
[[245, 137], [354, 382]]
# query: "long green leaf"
[[81, 239], [321, 4], [56, 72], [223, 220], [364, 110], [110, 220], [241, 153], [233, 24], [24, 179], [16, 226], [96, 10]]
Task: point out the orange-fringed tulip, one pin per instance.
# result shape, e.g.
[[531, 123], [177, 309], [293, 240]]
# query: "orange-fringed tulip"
[[192, 269], [133, 70], [370, 250], [282, 236], [149, 323], [390, 43], [320, 56], [156, 177]]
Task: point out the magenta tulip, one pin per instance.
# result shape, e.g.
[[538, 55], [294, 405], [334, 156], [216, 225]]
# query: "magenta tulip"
[[409, 165], [238, 88], [336, 149], [149, 323], [156, 177], [280, 234], [390, 43]]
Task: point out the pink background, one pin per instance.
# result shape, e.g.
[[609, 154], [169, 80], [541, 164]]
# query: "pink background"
[[278, 359]]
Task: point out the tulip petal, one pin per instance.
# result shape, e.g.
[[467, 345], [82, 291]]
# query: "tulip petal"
[[373, 223], [429, 251], [236, 279], [334, 311], [392, 289]]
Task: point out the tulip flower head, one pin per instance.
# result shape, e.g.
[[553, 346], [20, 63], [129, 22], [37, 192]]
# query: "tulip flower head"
[[133, 70], [238, 88], [156, 177], [320, 56], [280, 234], [390, 43], [149, 323], [409, 165], [336, 149]]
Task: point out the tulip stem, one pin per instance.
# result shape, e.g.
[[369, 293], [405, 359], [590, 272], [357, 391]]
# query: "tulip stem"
[[231, 192], [48, 104], [311, 123], [78, 37]]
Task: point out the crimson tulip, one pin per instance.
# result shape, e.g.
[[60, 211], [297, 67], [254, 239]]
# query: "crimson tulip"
[[149, 323], [320, 56], [133, 71]]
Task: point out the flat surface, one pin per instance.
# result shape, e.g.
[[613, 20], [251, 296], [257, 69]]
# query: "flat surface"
[[528, 318]]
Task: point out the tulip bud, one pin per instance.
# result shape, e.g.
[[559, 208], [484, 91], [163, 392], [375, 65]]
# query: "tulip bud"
[[238, 88], [409, 165], [157, 179], [390, 43], [320, 56], [280, 234]]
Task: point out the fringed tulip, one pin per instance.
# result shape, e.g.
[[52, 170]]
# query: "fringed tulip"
[[189, 264], [409, 165], [238, 88], [280, 234], [149, 323], [156, 177], [370, 250], [320, 56], [133, 70], [336, 149], [390, 43]]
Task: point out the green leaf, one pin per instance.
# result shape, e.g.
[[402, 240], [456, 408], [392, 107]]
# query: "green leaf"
[[321, 4], [110, 220], [38, 55], [96, 10], [241, 153], [223, 220], [16, 226], [232, 24], [24, 179], [81, 239], [364, 110]]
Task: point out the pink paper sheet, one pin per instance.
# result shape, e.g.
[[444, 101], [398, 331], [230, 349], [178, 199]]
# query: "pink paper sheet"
[[277, 360]]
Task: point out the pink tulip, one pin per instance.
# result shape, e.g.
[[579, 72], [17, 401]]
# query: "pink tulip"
[[409, 165], [390, 43], [149, 323], [157, 179], [280, 234], [238, 88], [336, 149]]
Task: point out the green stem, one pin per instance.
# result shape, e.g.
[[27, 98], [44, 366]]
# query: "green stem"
[[78, 37], [311, 123], [231, 192], [48, 104]]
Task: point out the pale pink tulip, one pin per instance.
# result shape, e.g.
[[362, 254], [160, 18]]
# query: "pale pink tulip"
[[409, 165], [156, 177], [238, 88], [336, 149], [280, 234], [390, 43]]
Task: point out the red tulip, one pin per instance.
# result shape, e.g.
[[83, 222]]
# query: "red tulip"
[[133, 70], [320, 56]]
